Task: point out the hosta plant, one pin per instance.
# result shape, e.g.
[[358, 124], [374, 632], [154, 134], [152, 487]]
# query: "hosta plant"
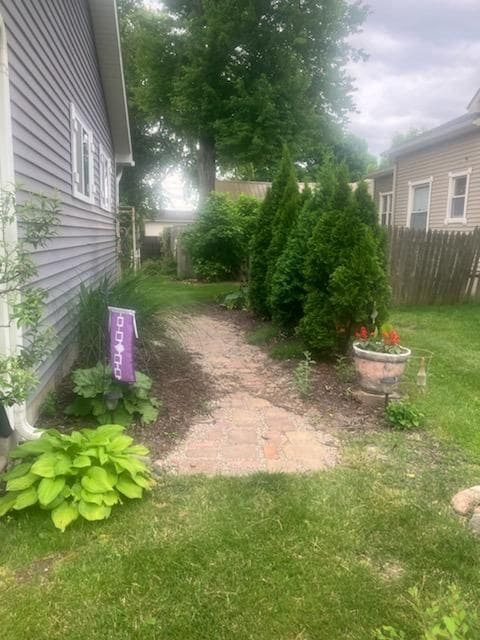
[[110, 401], [83, 474]]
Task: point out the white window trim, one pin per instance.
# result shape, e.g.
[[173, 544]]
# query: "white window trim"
[[105, 204], [76, 193], [411, 186], [451, 176], [382, 194]]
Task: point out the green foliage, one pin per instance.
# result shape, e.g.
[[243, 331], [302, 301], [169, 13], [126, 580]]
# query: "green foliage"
[[82, 474], [37, 217], [110, 401], [229, 82], [345, 369], [302, 376], [49, 405], [403, 416], [288, 290], [93, 313], [236, 300], [448, 618], [345, 271], [284, 220], [262, 239], [218, 242]]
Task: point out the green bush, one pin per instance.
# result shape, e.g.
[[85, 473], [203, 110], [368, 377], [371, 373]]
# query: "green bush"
[[403, 416], [218, 241], [93, 313], [262, 238], [82, 474], [236, 299], [345, 273], [302, 376], [110, 401], [283, 223]]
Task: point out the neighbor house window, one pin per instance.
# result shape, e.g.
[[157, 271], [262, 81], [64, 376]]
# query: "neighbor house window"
[[105, 180], [82, 158], [419, 204], [458, 196], [386, 208]]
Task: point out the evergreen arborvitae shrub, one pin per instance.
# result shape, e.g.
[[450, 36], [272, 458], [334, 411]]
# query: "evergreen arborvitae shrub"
[[216, 240], [345, 272], [284, 221], [258, 288], [288, 291]]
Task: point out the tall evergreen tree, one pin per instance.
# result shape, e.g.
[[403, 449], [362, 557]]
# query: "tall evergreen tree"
[[258, 286]]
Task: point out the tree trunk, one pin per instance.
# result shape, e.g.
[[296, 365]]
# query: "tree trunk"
[[206, 167]]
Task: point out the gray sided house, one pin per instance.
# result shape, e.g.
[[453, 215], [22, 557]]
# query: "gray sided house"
[[64, 130], [434, 182]]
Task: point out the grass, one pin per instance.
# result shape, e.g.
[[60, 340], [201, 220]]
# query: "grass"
[[452, 401], [167, 294], [270, 557], [280, 346], [266, 557]]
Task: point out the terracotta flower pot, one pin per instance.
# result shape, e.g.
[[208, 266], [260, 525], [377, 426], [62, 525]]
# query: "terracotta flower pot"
[[379, 372]]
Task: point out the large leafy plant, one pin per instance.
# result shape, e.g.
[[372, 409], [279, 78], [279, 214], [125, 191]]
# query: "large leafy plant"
[[82, 474], [24, 303], [110, 401]]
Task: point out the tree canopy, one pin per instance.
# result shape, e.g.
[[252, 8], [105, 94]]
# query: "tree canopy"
[[227, 83]]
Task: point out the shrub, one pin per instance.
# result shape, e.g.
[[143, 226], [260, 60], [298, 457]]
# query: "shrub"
[[288, 291], [283, 223], [110, 401], [93, 313], [345, 274], [216, 240], [236, 299], [302, 376], [258, 284], [403, 416], [82, 474]]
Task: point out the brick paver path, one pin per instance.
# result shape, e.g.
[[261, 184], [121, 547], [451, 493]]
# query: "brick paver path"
[[245, 432]]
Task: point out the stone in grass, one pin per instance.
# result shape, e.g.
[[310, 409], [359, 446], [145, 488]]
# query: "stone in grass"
[[464, 502], [474, 523]]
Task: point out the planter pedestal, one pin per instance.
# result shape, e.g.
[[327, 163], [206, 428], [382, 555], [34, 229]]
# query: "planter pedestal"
[[380, 373]]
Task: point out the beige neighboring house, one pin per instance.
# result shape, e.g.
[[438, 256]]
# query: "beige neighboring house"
[[166, 218], [434, 182], [254, 189]]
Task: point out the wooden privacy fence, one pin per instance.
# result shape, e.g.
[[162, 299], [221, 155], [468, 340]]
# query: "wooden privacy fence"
[[433, 267]]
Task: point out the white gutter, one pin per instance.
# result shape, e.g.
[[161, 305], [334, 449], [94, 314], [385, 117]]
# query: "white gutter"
[[10, 334]]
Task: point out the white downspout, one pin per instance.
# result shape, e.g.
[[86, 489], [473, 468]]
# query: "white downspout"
[[10, 333]]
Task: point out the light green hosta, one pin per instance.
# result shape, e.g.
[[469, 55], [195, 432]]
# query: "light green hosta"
[[83, 474]]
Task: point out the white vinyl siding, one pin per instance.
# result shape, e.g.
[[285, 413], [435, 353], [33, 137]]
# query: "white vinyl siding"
[[458, 186]]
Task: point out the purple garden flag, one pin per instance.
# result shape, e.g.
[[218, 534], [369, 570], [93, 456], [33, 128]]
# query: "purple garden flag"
[[123, 331]]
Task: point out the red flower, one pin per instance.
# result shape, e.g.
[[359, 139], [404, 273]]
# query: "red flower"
[[391, 338], [362, 334]]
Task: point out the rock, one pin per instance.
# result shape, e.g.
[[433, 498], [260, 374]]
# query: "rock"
[[474, 523], [464, 502]]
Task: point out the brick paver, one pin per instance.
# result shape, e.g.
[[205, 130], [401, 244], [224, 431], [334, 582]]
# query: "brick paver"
[[245, 432]]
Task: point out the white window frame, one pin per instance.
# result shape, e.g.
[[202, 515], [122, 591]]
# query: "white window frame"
[[382, 194], [105, 189], [451, 180], [411, 187], [76, 121]]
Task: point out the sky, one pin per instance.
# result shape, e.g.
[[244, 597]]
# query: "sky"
[[423, 66]]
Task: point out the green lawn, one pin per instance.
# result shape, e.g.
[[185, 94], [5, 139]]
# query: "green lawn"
[[452, 334], [173, 294], [326, 556]]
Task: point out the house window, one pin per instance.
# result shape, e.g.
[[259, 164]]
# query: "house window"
[[82, 158], [105, 180], [419, 204], [458, 196], [386, 202]]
